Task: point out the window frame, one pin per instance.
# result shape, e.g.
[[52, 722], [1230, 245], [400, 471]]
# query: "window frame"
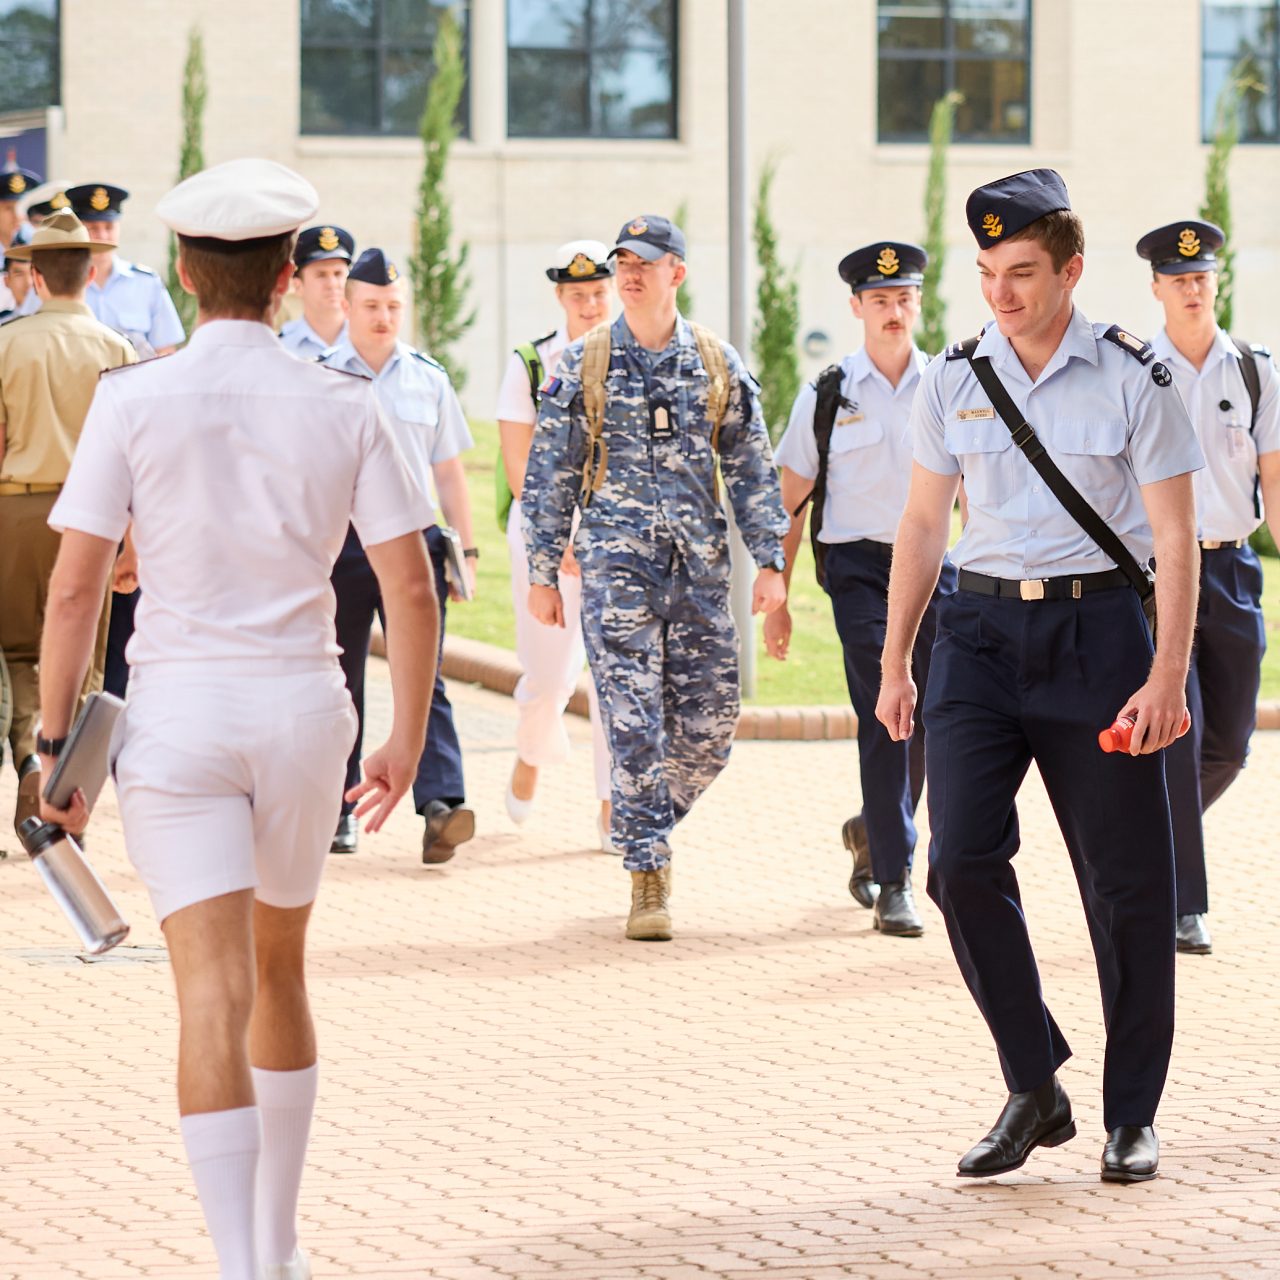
[[950, 56], [590, 51], [381, 46], [1207, 108], [55, 86]]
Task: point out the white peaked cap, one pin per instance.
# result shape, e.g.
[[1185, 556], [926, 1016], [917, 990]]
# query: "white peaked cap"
[[240, 200]]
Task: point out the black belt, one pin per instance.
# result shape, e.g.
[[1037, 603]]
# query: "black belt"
[[1042, 588], [883, 550]]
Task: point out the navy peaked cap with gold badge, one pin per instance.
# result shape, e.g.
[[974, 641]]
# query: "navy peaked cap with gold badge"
[[16, 181], [1182, 247], [581, 260], [97, 201], [316, 244], [650, 237], [1004, 207], [374, 267], [884, 264]]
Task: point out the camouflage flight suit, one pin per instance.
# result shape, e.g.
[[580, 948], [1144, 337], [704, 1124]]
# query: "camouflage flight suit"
[[654, 552]]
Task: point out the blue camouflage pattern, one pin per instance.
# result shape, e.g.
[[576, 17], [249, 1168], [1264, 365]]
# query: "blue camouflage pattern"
[[653, 548]]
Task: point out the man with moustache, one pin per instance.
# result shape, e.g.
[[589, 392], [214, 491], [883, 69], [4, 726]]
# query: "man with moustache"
[[321, 259], [1043, 644], [847, 454]]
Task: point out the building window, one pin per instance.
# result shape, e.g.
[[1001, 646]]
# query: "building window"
[[591, 68], [29, 55], [980, 48], [366, 64], [1243, 36]]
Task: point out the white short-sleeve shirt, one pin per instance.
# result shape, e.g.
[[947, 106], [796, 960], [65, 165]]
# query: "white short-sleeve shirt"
[[515, 396], [240, 467]]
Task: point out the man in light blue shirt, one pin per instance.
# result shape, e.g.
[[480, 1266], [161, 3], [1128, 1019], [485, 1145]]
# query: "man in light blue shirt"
[[1043, 645], [847, 453], [321, 260]]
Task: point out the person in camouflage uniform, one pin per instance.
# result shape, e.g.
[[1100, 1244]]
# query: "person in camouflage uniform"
[[653, 547]]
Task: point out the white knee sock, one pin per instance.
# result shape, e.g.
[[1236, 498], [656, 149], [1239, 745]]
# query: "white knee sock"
[[222, 1149], [286, 1100]]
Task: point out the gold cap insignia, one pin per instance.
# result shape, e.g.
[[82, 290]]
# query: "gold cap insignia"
[[1188, 243], [59, 201], [992, 225], [99, 201], [392, 273], [17, 183], [328, 239], [638, 227], [581, 266], [887, 263]]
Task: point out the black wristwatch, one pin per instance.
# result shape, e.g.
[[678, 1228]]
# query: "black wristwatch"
[[471, 553], [779, 562], [49, 746]]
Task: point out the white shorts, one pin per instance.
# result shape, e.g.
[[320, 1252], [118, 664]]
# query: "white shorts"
[[231, 781]]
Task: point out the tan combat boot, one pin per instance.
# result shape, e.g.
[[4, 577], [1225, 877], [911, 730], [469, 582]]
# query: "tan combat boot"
[[650, 918]]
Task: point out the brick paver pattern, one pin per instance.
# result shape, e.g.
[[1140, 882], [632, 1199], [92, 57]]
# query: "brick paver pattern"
[[512, 1090]]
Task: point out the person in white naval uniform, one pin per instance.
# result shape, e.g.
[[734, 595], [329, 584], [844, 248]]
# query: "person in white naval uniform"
[[232, 747], [551, 658], [322, 258]]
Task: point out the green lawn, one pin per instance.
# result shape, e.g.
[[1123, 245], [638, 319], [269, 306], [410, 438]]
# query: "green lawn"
[[812, 675]]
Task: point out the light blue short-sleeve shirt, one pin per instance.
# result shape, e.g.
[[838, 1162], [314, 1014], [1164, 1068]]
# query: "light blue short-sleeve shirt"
[[135, 302], [1218, 403], [300, 339], [869, 463], [1110, 419]]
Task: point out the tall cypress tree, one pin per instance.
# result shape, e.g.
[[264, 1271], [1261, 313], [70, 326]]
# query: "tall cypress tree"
[[933, 310], [684, 295], [195, 91], [1217, 191], [777, 323], [439, 277]]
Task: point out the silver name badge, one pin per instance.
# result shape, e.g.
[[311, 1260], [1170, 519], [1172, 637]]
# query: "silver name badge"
[[975, 415]]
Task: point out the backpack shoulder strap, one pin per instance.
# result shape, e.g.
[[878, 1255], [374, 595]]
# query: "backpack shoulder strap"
[[828, 386], [711, 353], [532, 361], [1249, 372], [596, 349]]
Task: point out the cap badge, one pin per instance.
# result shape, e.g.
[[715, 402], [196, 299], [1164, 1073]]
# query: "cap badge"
[[59, 201], [581, 266], [887, 263], [992, 225], [17, 183], [99, 200], [328, 239], [392, 273], [638, 227], [1188, 243]]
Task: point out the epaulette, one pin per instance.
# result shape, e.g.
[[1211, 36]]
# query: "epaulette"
[[146, 271], [1143, 352], [956, 351], [1257, 348], [346, 373], [12, 317], [426, 359], [546, 337], [121, 368]]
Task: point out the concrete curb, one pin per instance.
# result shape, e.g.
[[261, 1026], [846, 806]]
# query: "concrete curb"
[[475, 662]]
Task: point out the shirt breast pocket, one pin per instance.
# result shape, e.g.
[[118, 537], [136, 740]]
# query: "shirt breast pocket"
[[420, 410], [1089, 453], [849, 462], [985, 452]]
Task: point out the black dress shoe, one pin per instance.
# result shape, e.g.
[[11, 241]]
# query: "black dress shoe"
[[347, 835], [1041, 1118], [1132, 1154], [1193, 935], [895, 911], [448, 826], [863, 888]]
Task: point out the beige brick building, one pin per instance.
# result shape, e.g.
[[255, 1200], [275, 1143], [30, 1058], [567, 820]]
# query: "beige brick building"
[[1110, 94]]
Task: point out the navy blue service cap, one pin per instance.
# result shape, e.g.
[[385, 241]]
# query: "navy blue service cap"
[[374, 267], [1181, 247], [581, 260], [884, 264], [16, 181], [97, 201], [317, 244], [650, 237], [1004, 207]]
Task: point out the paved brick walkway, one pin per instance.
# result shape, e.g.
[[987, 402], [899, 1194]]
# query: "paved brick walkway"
[[512, 1090]]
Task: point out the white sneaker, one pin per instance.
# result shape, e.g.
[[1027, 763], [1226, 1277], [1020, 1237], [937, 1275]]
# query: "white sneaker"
[[517, 810], [297, 1268], [606, 842]]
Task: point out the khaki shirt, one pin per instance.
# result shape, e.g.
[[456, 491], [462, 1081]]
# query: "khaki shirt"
[[49, 367]]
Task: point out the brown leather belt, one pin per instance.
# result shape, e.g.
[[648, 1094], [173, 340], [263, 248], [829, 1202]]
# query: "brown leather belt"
[[12, 489]]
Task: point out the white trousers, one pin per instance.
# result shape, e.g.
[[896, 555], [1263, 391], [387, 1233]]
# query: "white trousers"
[[552, 659]]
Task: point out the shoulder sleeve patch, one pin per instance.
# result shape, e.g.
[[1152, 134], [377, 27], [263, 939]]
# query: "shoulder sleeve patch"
[[1141, 351]]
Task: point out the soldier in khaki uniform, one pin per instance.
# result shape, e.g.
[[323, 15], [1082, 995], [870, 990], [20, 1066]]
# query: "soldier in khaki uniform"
[[49, 366]]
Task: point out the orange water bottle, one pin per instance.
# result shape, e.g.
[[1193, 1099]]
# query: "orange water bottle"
[[1120, 735]]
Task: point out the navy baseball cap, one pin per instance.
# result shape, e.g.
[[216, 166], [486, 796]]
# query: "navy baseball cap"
[[650, 237], [317, 244], [1182, 247], [96, 201], [884, 264], [1004, 207], [374, 267]]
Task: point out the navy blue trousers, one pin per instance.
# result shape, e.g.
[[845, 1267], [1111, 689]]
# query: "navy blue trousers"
[[892, 773], [1222, 695], [1014, 681], [440, 768], [116, 677]]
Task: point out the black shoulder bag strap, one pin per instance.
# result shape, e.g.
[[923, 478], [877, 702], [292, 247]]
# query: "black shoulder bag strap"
[[1253, 385], [828, 386], [1077, 507]]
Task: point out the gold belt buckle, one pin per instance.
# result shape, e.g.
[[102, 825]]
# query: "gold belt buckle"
[[1031, 588]]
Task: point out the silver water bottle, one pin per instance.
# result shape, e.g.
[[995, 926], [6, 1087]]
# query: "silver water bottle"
[[74, 886]]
